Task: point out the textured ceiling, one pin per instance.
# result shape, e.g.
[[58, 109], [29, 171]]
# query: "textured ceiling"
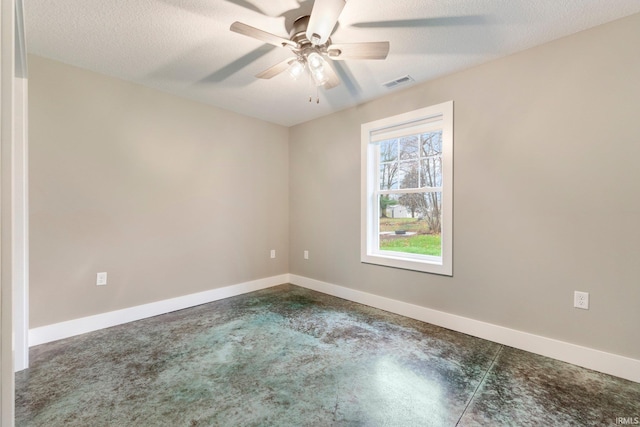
[[184, 47]]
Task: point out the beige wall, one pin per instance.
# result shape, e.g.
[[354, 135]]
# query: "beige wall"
[[546, 192], [168, 196]]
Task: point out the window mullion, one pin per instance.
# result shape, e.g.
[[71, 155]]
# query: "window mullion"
[[410, 190]]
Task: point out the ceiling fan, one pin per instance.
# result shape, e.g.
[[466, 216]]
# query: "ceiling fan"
[[310, 43]]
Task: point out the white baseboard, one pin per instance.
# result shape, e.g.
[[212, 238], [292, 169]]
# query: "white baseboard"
[[83, 325], [608, 363]]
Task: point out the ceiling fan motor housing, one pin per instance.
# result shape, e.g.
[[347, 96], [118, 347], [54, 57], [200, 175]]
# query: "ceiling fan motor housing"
[[298, 32], [298, 35]]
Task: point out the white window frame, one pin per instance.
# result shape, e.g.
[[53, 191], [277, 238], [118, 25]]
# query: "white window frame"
[[417, 121]]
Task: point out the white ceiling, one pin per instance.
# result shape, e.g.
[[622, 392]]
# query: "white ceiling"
[[184, 47]]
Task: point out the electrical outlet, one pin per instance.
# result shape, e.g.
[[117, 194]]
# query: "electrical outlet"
[[581, 300], [273, 253], [306, 254], [101, 279]]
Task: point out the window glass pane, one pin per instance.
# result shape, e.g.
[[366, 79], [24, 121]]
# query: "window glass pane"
[[388, 176], [431, 144], [410, 223], [409, 147], [387, 203], [431, 172], [389, 150], [431, 211], [409, 175]]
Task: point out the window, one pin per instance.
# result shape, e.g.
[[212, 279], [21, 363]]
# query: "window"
[[407, 196]]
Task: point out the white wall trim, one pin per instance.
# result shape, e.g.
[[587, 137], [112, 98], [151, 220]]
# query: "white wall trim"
[[608, 363], [83, 325], [20, 244]]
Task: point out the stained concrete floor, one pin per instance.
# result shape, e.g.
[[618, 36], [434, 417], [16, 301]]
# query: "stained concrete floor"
[[287, 356]]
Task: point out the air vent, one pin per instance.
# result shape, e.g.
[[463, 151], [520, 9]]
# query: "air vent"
[[400, 81]]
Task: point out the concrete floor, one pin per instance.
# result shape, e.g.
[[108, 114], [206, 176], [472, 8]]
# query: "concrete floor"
[[287, 356]]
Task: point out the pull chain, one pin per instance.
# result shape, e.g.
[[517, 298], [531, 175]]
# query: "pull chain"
[[312, 84]]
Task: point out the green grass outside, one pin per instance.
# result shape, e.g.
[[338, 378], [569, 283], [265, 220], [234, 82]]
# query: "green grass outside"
[[425, 244]]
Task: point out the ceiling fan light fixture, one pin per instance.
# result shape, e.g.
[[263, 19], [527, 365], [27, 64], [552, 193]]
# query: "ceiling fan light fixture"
[[296, 68], [324, 17], [317, 65], [315, 61], [319, 76]]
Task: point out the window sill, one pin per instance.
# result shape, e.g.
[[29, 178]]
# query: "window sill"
[[433, 265]]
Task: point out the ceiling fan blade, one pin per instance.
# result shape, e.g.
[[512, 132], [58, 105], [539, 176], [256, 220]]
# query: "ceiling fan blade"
[[333, 79], [347, 79], [248, 30], [276, 69], [366, 50], [324, 17], [237, 65], [442, 21], [245, 4]]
